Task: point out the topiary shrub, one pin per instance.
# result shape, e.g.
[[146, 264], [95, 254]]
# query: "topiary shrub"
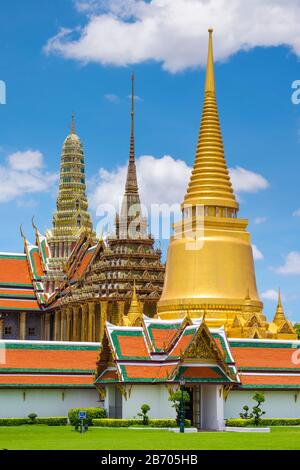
[[32, 418], [91, 413], [144, 414]]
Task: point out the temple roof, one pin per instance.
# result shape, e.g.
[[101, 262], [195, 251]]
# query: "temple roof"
[[47, 364], [17, 291], [164, 351], [161, 351]]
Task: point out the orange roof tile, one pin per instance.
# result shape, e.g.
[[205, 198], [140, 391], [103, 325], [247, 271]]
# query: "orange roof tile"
[[272, 357], [14, 270]]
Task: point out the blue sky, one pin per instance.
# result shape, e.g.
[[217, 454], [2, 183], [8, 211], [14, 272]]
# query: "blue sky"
[[260, 125]]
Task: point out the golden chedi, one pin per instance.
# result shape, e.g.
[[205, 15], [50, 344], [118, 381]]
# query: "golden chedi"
[[210, 267]]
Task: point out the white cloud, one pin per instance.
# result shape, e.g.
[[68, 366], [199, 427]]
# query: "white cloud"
[[260, 220], [112, 98], [245, 181], [26, 161], [271, 294], [161, 180], [174, 32], [257, 254], [291, 264], [24, 174], [297, 213]]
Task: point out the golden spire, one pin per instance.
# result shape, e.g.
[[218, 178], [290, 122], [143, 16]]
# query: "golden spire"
[[73, 130], [135, 310], [279, 315], [131, 180], [210, 183]]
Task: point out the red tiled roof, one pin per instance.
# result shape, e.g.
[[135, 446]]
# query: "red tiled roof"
[[248, 356], [14, 270], [279, 381]]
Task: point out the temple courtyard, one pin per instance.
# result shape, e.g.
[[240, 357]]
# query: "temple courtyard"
[[65, 438]]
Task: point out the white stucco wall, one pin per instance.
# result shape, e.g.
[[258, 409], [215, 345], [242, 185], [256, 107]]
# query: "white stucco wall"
[[156, 396], [278, 404], [44, 402], [212, 407]]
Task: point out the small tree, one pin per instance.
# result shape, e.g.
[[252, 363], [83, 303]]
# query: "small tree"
[[145, 408], [32, 418], [257, 412], [297, 328], [176, 399], [246, 414]]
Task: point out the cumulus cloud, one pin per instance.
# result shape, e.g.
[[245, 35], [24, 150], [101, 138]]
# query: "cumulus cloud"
[[174, 32], [23, 174], [271, 294], [291, 264], [162, 181], [245, 181], [260, 220], [257, 254], [112, 98]]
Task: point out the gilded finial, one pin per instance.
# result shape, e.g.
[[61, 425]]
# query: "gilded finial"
[[210, 74], [279, 298], [73, 124]]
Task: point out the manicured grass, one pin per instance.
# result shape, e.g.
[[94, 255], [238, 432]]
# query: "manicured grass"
[[65, 438]]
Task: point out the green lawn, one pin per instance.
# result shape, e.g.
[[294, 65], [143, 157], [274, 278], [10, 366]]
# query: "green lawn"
[[65, 438]]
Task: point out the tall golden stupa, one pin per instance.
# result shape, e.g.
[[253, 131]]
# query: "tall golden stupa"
[[210, 268]]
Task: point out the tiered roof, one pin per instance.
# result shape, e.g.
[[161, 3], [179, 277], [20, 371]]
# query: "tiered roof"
[[17, 291], [164, 351], [39, 364]]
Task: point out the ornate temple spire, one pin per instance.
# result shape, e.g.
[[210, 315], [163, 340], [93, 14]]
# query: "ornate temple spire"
[[131, 223], [279, 315], [72, 214], [210, 183], [73, 130], [131, 180]]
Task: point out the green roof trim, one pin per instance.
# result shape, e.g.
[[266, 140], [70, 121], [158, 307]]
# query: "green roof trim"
[[19, 257], [15, 284], [38, 371], [58, 385], [222, 376], [223, 344], [264, 345], [61, 347], [279, 369], [268, 386], [20, 309], [18, 296]]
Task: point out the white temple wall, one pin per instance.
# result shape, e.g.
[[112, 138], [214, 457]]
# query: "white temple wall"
[[156, 396], [278, 404], [19, 403], [212, 407]]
